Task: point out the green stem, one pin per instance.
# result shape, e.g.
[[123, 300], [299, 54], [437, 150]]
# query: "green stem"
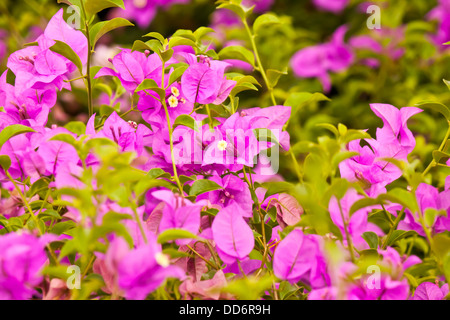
[[259, 66], [433, 162], [394, 226], [88, 66], [261, 216], [27, 205], [169, 125], [138, 220], [347, 234], [202, 257], [24, 200]]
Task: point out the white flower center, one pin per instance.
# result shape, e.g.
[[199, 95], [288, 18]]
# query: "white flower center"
[[173, 102], [162, 259], [175, 91], [222, 145]]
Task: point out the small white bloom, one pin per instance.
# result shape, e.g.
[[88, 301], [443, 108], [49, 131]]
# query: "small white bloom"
[[222, 145], [173, 102], [162, 259], [175, 91]]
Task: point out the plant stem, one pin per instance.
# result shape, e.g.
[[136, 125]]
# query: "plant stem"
[[433, 162], [138, 220], [394, 226], [88, 65], [202, 257], [261, 216], [169, 126], [347, 234], [24, 200], [259, 66]]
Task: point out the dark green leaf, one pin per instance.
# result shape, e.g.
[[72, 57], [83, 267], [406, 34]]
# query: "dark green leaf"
[[202, 186]]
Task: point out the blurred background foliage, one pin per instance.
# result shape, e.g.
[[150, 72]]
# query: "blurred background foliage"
[[416, 76]]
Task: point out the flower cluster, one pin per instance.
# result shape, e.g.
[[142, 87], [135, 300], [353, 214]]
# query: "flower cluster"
[[201, 196]]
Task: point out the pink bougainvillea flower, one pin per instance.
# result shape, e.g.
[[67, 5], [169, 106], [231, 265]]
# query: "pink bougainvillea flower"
[[234, 191], [40, 68], [204, 82], [394, 140], [153, 111], [56, 153], [295, 255], [428, 197], [205, 289], [128, 135], [143, 269], [179, 213], [356, 223], [430, 291], [335, 6], [441, 13], [386, 289], [317, 61], [395, 131], [133, 67], [30, 108], [21, 261], [143, 11], [232, 235]]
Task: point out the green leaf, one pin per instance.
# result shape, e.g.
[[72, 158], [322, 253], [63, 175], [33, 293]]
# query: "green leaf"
[[155, 35], [187, 121], [237, 52], [441, 245], [157, 173], [447, 83], [184, 33], [341, 156], [398, 235], [338, 189], [150, 84], [94, 6], [5, 162], [277, 187], [174, 234], [239, 10], [50, 213], [440, 157], [10, 77], [65, 137], [274, 75], [371, 239], [177, 73], [298, 100], [147, 183], [166, 55], [181, 41], [103, 27], [201, 32], [39, 187], [11, 131], [77, 127], [265, 20], [139, 45], [436, 106], [66, 51], [202, 186]]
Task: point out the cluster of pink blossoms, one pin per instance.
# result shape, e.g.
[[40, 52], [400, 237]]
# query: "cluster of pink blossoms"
[[222, 156]]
